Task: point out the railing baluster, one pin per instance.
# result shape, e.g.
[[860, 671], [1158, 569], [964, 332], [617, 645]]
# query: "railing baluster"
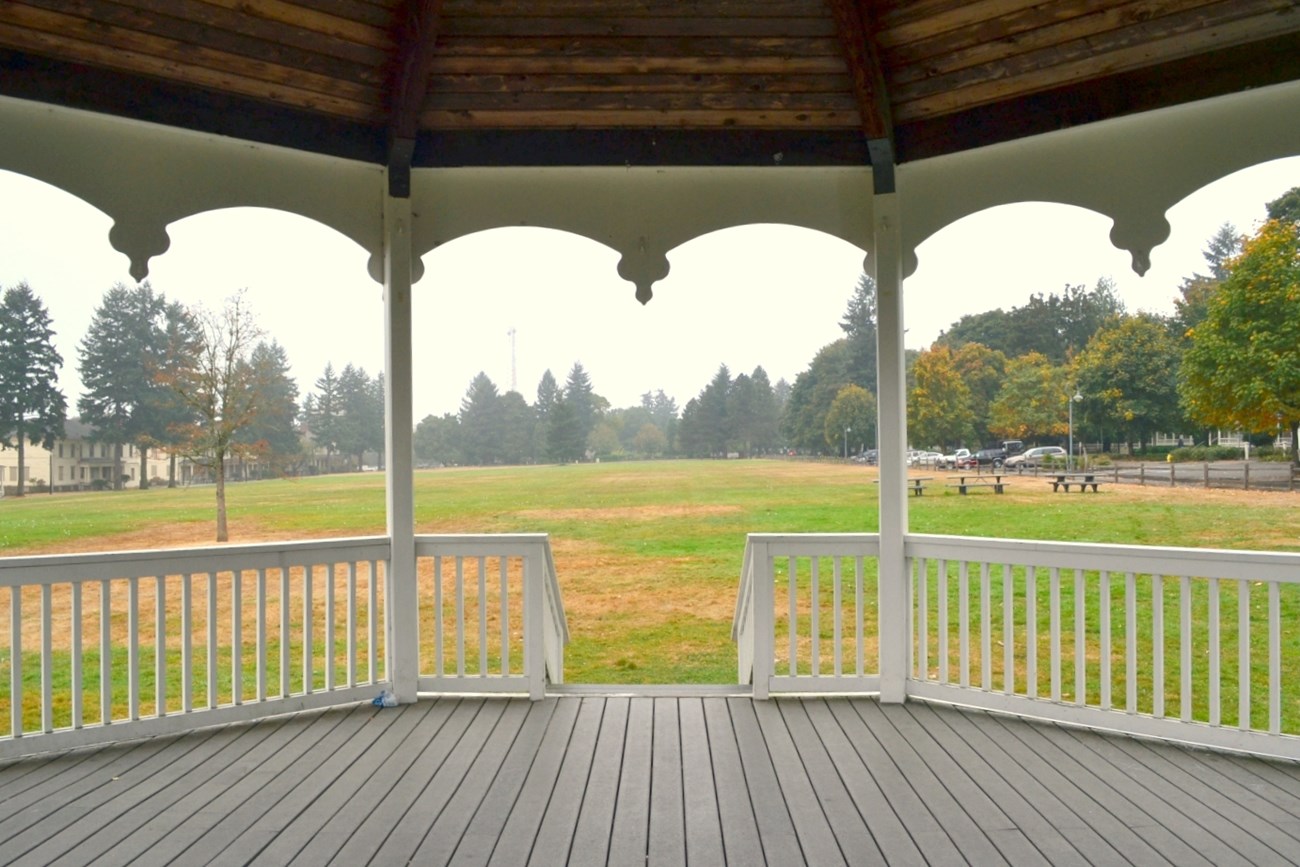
[[105, 652], [329, 625], [1130, 643], [352, 622], [437, 617], [16, 661], [373, 591], [1185, 647], [160, 645], [1031, 631], [1008, 629], [837, 577], [47, 658], [308, 618], [504, 624], [815, 608], [236, 636], [860, 614], [923, 618], [460, 616], [1216, 709], [1080, 638], [1274, 658], [78, 674], [133, 647], [213, 698], [285, 635], [1103, 614], [941, 606], [963, 623], [1243, 655], [261, 634], [482, 617], [986, 629], [1054, 618], [793, 603], [187, 643], [1157, 646]]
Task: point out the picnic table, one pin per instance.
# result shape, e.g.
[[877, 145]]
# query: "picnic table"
[[993, 480], [1063, 481], [915, 484]]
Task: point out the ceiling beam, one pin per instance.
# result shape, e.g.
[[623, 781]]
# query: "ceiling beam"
[[415, 36], [855, 26]]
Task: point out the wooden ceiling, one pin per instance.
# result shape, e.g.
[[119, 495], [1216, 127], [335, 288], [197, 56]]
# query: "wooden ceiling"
[[573, 82]]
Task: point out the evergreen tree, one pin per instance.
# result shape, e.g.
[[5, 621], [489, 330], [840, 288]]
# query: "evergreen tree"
[[273, 433], [548, 396], [324, 418], [859, 327], [360, 418], [480, 422], [120, 359], [516, 420], [437, 440], [32, 408]]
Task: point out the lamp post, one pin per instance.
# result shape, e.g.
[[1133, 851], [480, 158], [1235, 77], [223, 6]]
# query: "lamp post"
[[1069, 459], [846, 442]]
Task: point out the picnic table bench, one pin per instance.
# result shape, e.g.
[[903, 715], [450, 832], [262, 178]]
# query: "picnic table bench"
[[1063, 481], [915, 484], [992, 481]]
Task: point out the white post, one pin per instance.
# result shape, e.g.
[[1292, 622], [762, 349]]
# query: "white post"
[[892, 460], [400, 586]]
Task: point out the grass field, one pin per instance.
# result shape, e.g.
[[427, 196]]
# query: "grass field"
[[648, 554]]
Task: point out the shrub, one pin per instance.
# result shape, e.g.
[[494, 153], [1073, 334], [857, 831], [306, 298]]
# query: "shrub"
[[1207, 453]]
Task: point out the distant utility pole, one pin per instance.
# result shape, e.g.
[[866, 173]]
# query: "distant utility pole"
[[514, 382]]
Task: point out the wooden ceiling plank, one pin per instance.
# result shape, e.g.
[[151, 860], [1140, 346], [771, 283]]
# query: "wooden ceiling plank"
[[1220, 25], [616, 46], [634, 8], [632, 118], [590, 25], [655, 83], [337, 102], [854, 22], [1130, 58], [194, 23], [685, 100], [917, 22], [183, 61], [310, 18], [1031, 30], [631, 65]]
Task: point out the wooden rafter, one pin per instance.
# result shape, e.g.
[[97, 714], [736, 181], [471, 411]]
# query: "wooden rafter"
[[417, 31], [855, 25]]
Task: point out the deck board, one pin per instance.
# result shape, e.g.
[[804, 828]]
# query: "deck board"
[[663, 779]]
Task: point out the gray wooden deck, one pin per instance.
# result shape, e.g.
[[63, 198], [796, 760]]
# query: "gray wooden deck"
[[653, 779]]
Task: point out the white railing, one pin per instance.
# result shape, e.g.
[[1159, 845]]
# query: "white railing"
[[1186, 644], [1194, 645], [807, 613], [103, 647], [491, 618]]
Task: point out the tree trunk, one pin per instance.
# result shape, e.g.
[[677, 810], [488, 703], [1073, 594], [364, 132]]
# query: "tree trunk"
[[1295, 443], [21, 451], [171, 470], [144, 468], [118, 482], [220, 470]]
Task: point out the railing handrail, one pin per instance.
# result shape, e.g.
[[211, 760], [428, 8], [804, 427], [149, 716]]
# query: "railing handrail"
[[1278, 566], [55, 568]]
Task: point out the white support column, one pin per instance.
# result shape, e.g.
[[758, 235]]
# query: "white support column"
[[892, 421], [400, 587]]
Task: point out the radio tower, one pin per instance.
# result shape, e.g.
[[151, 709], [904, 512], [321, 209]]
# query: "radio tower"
[[514, 384]]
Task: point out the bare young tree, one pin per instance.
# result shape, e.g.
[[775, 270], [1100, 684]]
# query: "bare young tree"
[[219, 386]]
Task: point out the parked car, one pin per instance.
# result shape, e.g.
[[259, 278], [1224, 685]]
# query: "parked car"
[[924, 459], [950, 461], [993, 457], [1035, 457]]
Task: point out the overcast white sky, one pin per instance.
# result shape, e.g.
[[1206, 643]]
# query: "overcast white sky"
[[769, 295]]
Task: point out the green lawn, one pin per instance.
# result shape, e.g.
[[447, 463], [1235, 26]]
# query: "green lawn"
[[648, 554]]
